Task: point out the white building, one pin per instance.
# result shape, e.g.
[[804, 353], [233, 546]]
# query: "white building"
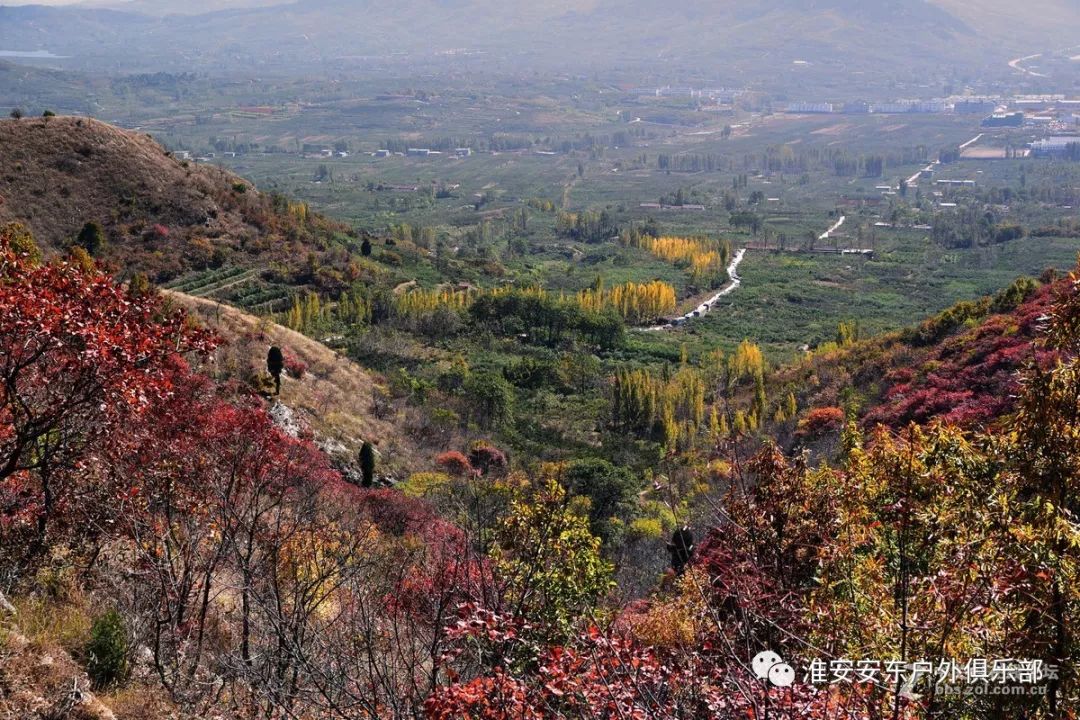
[[810, 107], [1054, 146]]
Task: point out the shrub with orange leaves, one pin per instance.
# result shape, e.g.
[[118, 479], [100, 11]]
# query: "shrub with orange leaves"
[[820, 421]]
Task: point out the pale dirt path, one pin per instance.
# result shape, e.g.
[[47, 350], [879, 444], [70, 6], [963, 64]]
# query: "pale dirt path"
[[836, 226], [705, 307], [1015, 65]]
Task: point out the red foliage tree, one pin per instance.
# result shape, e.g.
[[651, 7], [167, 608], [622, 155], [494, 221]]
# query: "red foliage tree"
[[820, 421], [206, 490], [454, 463], [487, 458], [394, 513], [969, 378], [294, 366], [601, 676], [79, 359]]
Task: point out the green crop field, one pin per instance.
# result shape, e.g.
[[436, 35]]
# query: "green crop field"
[[578, 145]]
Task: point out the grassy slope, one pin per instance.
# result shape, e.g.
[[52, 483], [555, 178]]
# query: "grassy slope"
[[1042, 22], [59, 173], [40, 679], [334, 397]]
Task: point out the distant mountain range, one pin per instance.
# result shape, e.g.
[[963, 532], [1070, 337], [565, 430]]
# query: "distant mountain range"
[[751, 37]]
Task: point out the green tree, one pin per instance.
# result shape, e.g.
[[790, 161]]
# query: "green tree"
[[367, 464], [791, 407], [847, 332], [91, 238], [139, 286], [275, 363], [491, 399], [107, 651], [612, 493], [547, 558], [22, 242]]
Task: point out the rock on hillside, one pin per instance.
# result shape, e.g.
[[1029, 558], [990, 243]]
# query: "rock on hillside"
[[161, 215]]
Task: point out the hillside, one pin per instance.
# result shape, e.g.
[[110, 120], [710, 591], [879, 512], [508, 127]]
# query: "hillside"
[[197, 7], [117, 374], [26, 86], [160, 215], [960, 366], [758, 39], [176, 547], [40, 679], [332, 398], [1038, 22]]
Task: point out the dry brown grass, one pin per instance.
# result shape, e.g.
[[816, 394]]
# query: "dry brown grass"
[[40, 681], [136, 701], [58, 173], [61, 172], [335, 396], [62, 622]]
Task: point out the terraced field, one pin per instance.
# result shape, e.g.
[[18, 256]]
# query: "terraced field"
[[241, 287]]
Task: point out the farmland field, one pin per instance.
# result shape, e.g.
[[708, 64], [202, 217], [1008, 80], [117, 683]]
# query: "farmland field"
[[666, 163]]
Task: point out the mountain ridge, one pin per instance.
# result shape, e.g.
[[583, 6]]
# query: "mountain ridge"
[[309, 32]]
